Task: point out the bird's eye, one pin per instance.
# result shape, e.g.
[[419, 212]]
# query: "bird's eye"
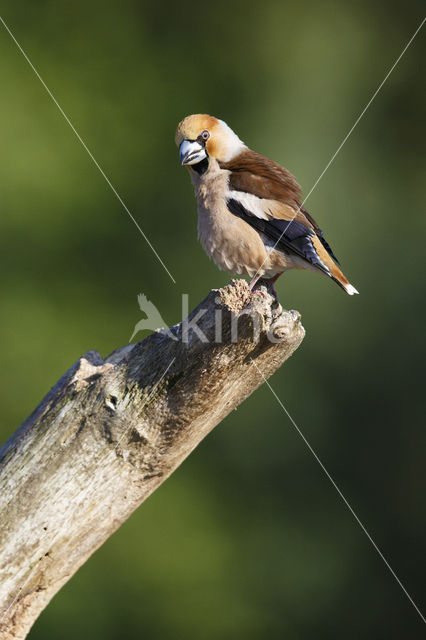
[[205, 135]]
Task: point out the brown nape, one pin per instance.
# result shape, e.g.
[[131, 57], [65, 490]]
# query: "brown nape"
[[253, 173]]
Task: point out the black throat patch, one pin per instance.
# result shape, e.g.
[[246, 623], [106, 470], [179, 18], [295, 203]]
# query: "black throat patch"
[[201, 167]]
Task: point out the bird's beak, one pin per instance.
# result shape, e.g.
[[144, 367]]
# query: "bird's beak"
[[191, 152]]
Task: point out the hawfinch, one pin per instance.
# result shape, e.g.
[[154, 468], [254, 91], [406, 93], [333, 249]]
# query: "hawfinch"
[[250, 217]]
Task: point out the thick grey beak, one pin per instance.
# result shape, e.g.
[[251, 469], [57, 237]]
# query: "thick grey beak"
[[191, 152]]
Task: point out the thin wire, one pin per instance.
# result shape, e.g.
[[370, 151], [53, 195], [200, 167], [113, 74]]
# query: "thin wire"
[[364, 110], [345, 139], [95, 162], [341, 494]]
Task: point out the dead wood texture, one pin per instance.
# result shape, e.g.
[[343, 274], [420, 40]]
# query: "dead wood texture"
[[111, 431]]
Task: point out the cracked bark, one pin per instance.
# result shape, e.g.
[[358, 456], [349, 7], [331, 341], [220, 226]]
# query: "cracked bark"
[[111, 431]]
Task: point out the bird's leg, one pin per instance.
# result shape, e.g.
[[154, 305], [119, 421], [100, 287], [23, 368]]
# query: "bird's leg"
[[254, 280], [271, 281], [268, 281], [252, 284]]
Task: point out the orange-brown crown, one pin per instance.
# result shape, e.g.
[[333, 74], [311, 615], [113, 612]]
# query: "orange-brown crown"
[[191, 127]]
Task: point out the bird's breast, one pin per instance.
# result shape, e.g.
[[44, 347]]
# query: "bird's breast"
[[229, 241]]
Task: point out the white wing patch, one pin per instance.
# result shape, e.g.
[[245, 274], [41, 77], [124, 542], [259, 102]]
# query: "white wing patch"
[[251, 203]]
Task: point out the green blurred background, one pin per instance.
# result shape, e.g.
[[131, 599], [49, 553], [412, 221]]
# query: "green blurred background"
[[248, 539]]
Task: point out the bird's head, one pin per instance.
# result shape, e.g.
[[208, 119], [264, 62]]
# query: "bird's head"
[[200, 137]]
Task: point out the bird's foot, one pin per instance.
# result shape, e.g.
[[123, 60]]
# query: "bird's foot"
[[254, 285], [259, 292], [267, 283]]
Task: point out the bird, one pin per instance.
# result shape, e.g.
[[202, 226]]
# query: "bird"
[[251, 220]]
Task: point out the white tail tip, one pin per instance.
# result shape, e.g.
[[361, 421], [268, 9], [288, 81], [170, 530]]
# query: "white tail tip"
[[350, 289]]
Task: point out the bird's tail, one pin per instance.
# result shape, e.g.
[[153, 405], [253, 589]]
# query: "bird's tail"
[[332, 269], [349, 288], [342, 281]]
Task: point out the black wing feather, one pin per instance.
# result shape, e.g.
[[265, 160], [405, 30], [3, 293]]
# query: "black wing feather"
[[289, 235]]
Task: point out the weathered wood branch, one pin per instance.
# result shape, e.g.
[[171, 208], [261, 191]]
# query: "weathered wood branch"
[[111, 431]]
